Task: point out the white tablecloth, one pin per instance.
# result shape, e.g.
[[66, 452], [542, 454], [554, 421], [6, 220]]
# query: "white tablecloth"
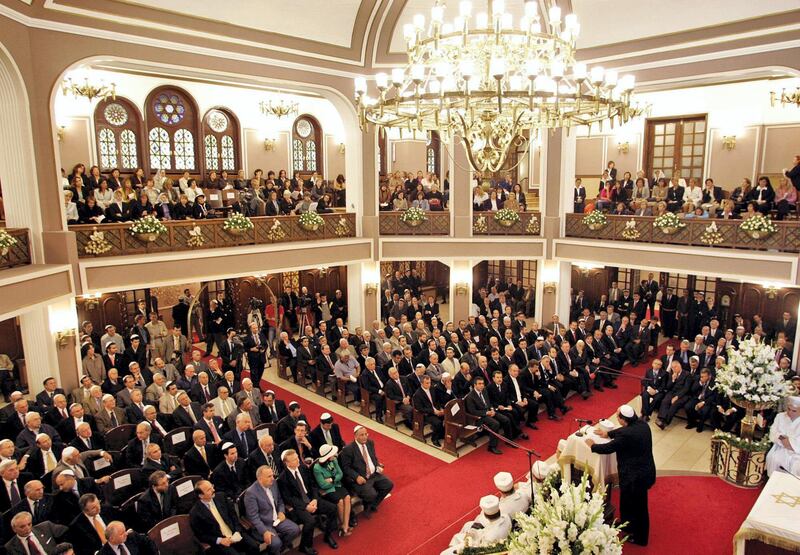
[[775, 517], [574, 452]]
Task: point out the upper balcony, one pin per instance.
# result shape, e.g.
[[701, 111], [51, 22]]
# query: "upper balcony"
[[488, 223], [696, 233], [18, 254], [188, 235], [399, 222]]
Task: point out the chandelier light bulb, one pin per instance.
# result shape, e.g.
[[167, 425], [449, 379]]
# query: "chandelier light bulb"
[[482, 20], [498, 7], [398, 75], [449, 84], [570, 21], [597, 75], [507, 21], [524, 23], [497, 67], [467, 69], [557, 69], [516, 83], [419, 21], [381, 80], [447, 28], [465, 9], [361, 85], [443, 69], [417, 72], [536, 27], [408, 32], [437, 14], [434, 87], [555, 15], [531, 9], [579, 71], [611, 78], [532, 68]]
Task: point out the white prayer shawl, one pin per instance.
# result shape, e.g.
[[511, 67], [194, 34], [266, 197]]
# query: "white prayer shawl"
[[780, 456]]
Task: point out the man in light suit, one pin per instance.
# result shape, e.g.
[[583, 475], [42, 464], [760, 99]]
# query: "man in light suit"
[[224, 404], [111, 416], [43, 536], [265, 510]]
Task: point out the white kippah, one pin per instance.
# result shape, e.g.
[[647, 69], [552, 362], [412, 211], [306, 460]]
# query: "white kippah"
[[357, 427], [490, 504], [627, 411], [504, 481], [607, 425], [540, 470], [794, 401]]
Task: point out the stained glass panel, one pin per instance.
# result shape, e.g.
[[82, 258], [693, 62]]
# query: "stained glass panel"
[[130, 158], [108, 149], [169, 109], [184, 150], [159, 149], [311, 156], [297, 154], [228, 153], [431, 165], [212, 153]]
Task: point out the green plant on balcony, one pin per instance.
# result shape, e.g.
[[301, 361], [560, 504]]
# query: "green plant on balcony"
[[758, 226], [6, 242], [413, 217], [147, 229], [668, 223], [237, 224], [506, 217], [310, 221], [595, 220]]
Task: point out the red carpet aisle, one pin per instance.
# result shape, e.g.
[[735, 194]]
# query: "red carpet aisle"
[[694, 515]]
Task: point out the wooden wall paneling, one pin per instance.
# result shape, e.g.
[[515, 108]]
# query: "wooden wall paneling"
[[480, 273], [594, 283], [733, 291], [11, 339]]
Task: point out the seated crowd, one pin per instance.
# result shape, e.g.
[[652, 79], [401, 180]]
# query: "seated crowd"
[[93, 198], [688, 199], [502, 193], [405, 190]]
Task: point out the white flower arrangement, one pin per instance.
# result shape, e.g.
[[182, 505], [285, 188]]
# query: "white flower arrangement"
[[6, 241], [415, 215], [480, 225], [506, 216], [276, 232], [98, 244], [148, 224], [668, 221], [533, 227], [711, 235], [630, 232], [238, 222], [595, 220], [310, 221], [752, 375], [566, 520], [196, 237], [342, 227], [758, 224]]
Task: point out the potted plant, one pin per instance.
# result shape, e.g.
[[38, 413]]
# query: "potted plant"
[[595, 220], [6, 242], [758, 226], [237, 224], [413, 217], [506, 217], [310, 221], [147, 229], [668, 223]]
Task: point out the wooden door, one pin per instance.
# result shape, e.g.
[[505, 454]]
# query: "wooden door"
[[676, 146]]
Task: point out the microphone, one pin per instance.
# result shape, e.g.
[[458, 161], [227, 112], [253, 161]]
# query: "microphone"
[[584, 420]]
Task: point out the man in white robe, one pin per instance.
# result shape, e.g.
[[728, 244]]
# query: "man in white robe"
[[785, 436]]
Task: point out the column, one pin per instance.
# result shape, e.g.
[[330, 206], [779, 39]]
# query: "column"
[[558, 154], [553, 284], [355, 297], [370, 284], [369, 186], [460, 289], [460, 190], [43, 357]]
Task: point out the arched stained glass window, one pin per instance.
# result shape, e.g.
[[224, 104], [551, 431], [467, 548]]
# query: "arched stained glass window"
[[307, 145], [184, 150], [228, 154], [160, 150], [212, 153], [117, 127], [173, 129], [221, 140]]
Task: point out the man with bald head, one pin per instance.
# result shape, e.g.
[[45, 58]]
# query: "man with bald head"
[[36, 502], [28, 536], [214, 521], [202, 456], [122, 542]]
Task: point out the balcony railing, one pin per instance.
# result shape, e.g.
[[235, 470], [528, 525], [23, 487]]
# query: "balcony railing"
[[695, 234], [484, 223], [18, 254], [187, 235], [437, 223]]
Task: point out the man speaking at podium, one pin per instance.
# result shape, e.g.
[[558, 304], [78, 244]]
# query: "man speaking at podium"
[[633, 444]]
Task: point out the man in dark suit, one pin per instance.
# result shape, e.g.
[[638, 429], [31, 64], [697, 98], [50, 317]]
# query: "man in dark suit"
[[212, 425], [203, 391], [201, 457], [374, 385], [654, 386], [423, 401], [285, 428], [87, 530], [210, 515], [67, 494], [231, 353], [255, 345], [136, 450], [228, 476], [187, 413], [135, 543], [477, 404], [669, 312], [266, 454], [304, 505], [45, 455], [327, 431], [702, 401], [242, 435], [158, 460], [272, 409], [397, 390], [35, 502], [14, 481], [43, 536], [44, 399], [157, 502], [676, 393], [299, 443], [633, 444], [363, 473]]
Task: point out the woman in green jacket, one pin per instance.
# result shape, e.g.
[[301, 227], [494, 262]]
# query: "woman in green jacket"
[[329, 474]]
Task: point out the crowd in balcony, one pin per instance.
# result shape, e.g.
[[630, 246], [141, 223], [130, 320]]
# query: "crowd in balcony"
[[421, 190], [688, 198], [93, 198], [494, 195]]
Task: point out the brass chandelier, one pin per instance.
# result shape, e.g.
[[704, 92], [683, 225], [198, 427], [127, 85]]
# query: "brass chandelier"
[[278, 109], [785, 98], [486, 80], [82, 87]]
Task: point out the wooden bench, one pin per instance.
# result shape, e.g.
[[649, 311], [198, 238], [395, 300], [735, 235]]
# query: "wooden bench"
[[341, 392], [455, 427], [366, 405], [418, 430], [283, 370], [390, 416]]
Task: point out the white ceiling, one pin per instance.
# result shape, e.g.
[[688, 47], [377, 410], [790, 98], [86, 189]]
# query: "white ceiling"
[[611, 21], [328, 21]]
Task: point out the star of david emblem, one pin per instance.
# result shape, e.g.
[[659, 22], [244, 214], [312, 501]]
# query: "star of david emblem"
[[784, 498]]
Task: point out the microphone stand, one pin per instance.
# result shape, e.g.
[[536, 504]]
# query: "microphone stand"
[[530, 452]]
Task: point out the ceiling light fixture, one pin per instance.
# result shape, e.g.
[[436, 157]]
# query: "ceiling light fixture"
[[278, 109]]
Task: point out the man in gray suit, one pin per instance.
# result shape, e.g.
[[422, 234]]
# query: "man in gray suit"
[[264, 508], [27, 538]]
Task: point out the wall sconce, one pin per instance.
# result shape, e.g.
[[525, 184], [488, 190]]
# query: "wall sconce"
[[371, 288], [771, 291], [63, 337], [550, 287], [91, 301], [269, 144], [462, 288], [342, 148], [60, 132], [729, 142], [622, 148]]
